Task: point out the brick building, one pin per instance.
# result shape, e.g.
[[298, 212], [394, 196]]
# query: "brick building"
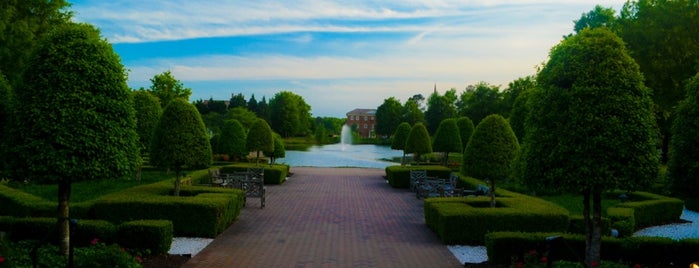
[[365, 119]]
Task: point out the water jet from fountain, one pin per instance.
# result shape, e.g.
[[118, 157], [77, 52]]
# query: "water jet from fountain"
[[346, 136]]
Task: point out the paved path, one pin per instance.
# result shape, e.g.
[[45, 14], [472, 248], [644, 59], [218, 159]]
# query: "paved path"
[[329, 217]]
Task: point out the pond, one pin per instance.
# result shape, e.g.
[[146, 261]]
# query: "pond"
[[342, 155]]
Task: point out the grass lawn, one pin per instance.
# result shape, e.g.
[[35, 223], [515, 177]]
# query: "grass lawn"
[[574, 204], [89, 190]]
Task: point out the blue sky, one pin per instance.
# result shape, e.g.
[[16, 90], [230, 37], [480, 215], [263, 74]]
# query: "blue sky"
[[338, 55]]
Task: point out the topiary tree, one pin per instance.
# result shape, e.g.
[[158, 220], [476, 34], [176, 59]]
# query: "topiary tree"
[[683, 167], [418, 142], [490, 153], [278, 152], [74, 117], [591, 127], [232, 139], [520, 110], [180, 140], [148, 112], [465, 130], [400, 137], [260, 139], [447, 138]]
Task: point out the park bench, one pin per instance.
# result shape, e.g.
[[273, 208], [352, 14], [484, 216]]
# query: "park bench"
[[431, 187], [415, 177], [252, 182], [481, 190]]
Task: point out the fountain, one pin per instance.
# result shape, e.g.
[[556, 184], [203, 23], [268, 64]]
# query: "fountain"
[[346, 136]]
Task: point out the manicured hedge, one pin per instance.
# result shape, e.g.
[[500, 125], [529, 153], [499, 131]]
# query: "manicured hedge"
[[466, 220], [17, 203], [647, 251], [622, 220], [399, 176], [577, 225], [154, 236], [653, 209], [275, 174], [200, 211]]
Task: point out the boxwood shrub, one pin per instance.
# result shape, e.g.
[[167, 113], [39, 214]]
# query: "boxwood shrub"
[[653, 209], [200, 211], [399, 176], [466, 220], [647, 251], [155, 235], [577, 225]]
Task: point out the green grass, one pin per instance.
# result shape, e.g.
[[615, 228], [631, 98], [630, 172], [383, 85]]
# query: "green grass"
[[574, 204], [89, 190]]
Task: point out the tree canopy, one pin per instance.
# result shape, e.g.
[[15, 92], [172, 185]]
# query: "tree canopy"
[[82, 125], [447, 138], [232, 139], [167, 88], [465, 130], [439, 107], [591, 126], [148, 113], [388, 116], [683, 167], [260, 138], [180, 140], [418, 142], [290, 115], [479, 101]]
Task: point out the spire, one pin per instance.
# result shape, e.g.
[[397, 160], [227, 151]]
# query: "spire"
[[435, 87]]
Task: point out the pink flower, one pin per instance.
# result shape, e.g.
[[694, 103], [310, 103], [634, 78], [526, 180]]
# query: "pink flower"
[[519, 264], [594, 264], [94, 241], [544, 259], [123, 250], [138, 259], [2, 259], [638, 265]]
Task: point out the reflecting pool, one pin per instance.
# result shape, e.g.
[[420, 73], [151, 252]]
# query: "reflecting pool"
[[342, 155]]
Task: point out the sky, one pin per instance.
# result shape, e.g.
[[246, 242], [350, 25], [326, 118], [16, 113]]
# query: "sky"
[[338, 55]]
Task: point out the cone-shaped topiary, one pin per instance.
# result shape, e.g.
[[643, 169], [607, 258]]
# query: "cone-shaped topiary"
[[447, 138], [465, 130], [399, 139], [232, 140], [490, 153], [418, 142], [260, 138]]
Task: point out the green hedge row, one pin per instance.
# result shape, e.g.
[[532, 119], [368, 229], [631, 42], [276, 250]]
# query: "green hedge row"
[[152, 235], [652, 209], [577, 225], [200, 211], [275, 174], [466, 220], [502, 247], [399, 176]]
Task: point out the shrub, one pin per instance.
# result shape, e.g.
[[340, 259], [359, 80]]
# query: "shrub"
[[274, 174], [577, 225], [622, 220], [653, 209], [154, 235]]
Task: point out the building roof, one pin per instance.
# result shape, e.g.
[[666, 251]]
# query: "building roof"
[[362, 112]]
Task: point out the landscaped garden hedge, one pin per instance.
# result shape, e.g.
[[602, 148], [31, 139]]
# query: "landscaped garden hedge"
[[153, 235], [652, 209], [399, 176], [647, 251], [275, 174], [466, 220], [200, 211]]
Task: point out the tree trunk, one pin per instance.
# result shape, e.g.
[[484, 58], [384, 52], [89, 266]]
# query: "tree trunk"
[[446, 158], [492, 193], [177, 182], [596, 239], [588, 226], [402, 161], [63, 216]]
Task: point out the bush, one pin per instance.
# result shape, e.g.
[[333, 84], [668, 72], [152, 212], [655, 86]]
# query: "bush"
[[648, 251], [467, 220], [154, 235], [653, 209], [577, 225], [622, 220], [399, 176]]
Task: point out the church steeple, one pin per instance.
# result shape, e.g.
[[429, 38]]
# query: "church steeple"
[[435, 88]]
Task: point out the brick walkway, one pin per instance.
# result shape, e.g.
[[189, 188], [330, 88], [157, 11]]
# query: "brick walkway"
[[325, 217]]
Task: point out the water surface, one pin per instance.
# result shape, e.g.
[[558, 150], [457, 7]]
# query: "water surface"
[[342, 155]]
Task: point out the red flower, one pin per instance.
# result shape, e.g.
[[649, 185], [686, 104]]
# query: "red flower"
[[2, 259], [94, 241], [519, 264], [138, 259], [532, 252], [544, 259], [638, 265], [594, 264]]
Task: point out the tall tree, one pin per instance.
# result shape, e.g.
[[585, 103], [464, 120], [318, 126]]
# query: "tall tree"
[[22, 25], [82, 127], [237, 100], [148, 113], [232, 140], [412, 114], [491, 152], [418, 142], [514, 89], [663, 37], [260, 139], [217, 106], [683, 167], [252, 104], [5, 142], [520, 110], [591, 126], [438, 109], [180, 140], [290, 114], [279, 150], [388, 116], [263, 110], [465, 130], [447, 139], [479, 101], [167, 88], [598, 17], [400, 138]]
